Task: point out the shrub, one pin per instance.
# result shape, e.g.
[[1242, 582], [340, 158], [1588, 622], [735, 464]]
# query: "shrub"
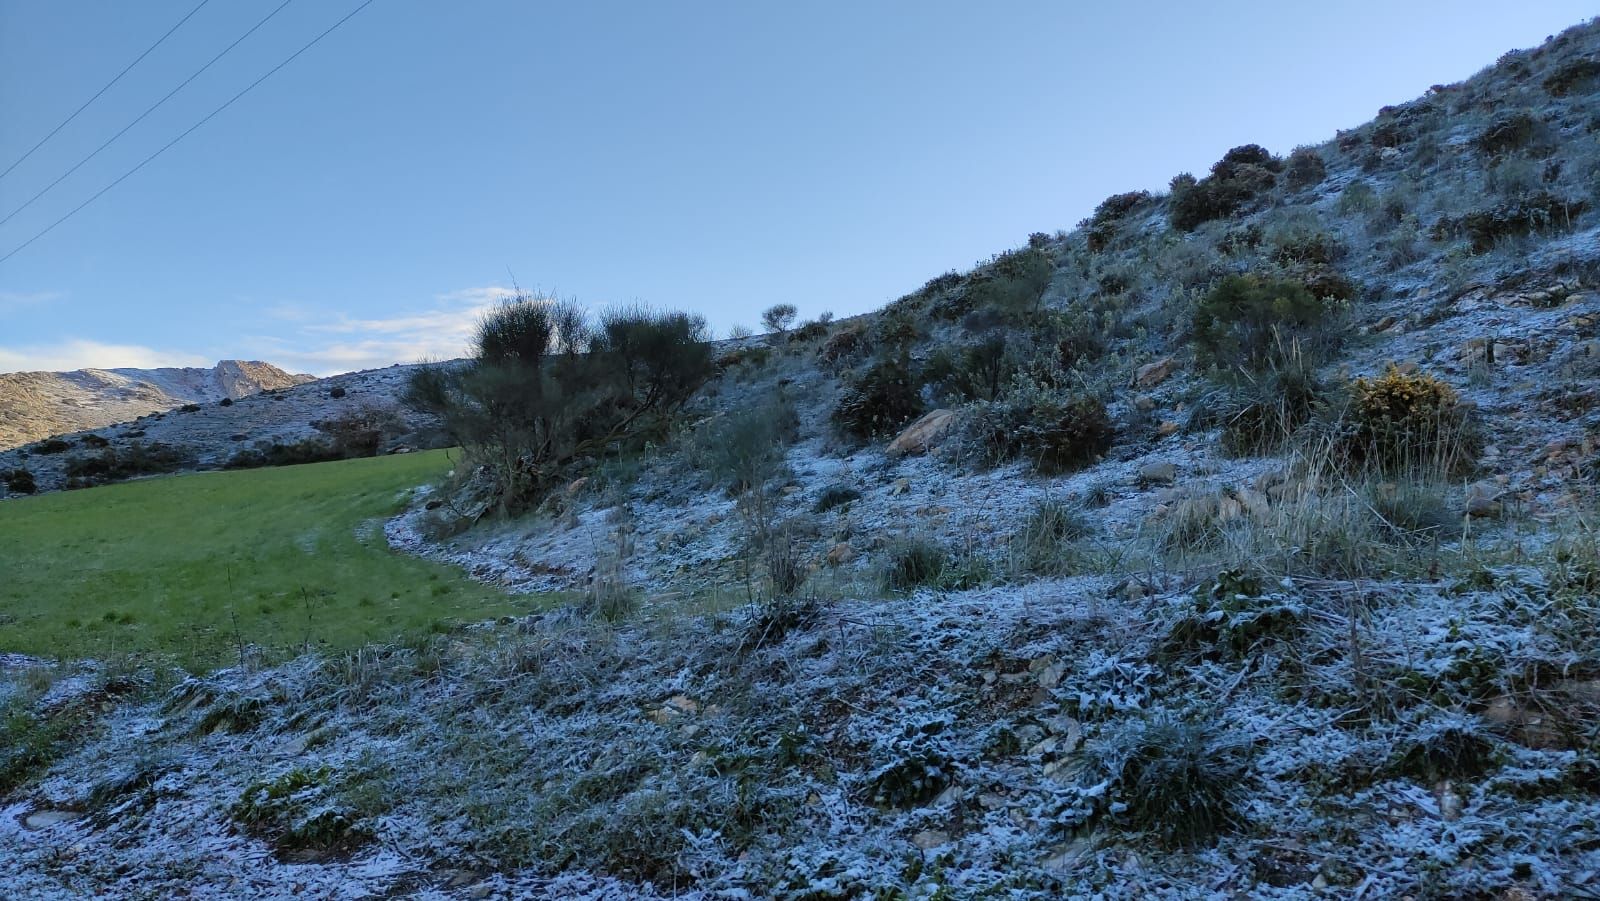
[[225, 402], [296, 453], [1537, 212], [1262, 414], [917, 562], [879, 400], [1055, 430], [20, 481], [1572, 76], [742, 449], [51, 446], [1506, 132], [1196, 203], [1042, 545], [835, 496], [1101, 227], [779, 316], [1178, 780], [1357, 198], [1013, 282], [336, 392], [136, 459], [547, 390], [359, 432], [843, 345], [1242, 174], [1405, 420], [1253, 322], [1304, 168], [977, 371]]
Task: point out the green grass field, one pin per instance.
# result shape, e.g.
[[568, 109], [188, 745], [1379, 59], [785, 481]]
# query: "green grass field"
[[188, 566]]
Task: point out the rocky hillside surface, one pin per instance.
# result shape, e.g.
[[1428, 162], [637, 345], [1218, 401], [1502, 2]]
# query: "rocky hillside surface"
[[35, 405], [1240, 542]]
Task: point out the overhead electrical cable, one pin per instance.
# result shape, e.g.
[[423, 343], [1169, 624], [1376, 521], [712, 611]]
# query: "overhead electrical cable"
[[153, 107], [209, 116], [68, 120]]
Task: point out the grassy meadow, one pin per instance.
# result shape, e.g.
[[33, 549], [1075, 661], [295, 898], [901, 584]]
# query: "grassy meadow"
[[193, 566]]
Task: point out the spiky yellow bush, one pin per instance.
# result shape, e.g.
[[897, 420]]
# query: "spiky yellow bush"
[[1402, 420]]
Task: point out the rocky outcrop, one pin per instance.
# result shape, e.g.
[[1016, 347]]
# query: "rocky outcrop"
[[36, 405]]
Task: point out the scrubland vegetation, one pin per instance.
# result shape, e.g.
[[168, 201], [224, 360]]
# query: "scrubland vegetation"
[[1241, 540]]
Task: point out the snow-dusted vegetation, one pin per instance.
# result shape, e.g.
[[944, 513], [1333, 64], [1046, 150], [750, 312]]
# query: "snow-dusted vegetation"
[[1239, 542]]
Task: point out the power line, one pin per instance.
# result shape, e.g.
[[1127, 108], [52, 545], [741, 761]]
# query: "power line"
[[46, 189], [68, 120], [209, 116]]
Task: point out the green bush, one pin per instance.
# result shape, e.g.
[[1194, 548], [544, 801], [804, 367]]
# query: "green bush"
[[1176, 779], [1403, 421], [1304, 169], [1260, 415], [1042, 545], [51, 446], [1506, 132], [1240, 176], [742, 449], [1013, 282], [880, 400], [1101, 227], [1538, 212], [1572, 76], [548, 390], [136, 459], [913, 563], [1253, 322], [1055, 430], [20, 481], [977, 371]]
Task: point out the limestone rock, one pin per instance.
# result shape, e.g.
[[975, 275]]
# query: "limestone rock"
[[1160, 473], [923, 435], [1152, 374]]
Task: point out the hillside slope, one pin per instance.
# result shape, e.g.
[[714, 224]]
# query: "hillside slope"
[[36, 405], [1238, 543]]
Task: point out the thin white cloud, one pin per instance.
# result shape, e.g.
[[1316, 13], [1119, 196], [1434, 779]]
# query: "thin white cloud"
[[16, 300], [81, 353], [325, 346]]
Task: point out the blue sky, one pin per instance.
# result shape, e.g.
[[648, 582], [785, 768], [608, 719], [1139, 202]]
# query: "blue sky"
[[359, 206]]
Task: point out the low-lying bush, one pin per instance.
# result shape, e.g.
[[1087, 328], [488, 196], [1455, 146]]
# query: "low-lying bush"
[[742, 449], [1407, 421], [1506, 132], [1179, 780], [911, 563], [1573, 76], [51, 446], [1240, 176], [1538, 212], [1253, 322], [880, 399], [1304, 168], [1262, 413], [134, 459], [1101, 227], [1042, 545], [1053, 429], [19, 481]]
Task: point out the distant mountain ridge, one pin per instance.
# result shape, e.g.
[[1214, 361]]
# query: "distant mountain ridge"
[[36, 405]]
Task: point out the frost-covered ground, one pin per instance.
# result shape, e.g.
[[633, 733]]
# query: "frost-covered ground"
[[1372, 740]]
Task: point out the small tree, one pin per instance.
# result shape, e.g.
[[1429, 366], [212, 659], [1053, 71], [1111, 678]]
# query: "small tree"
[[779, 317]]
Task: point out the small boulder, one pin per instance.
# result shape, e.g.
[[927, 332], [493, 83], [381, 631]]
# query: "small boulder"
[[1152, 374], [923, 435], [1483, 500], [1161, 473]]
